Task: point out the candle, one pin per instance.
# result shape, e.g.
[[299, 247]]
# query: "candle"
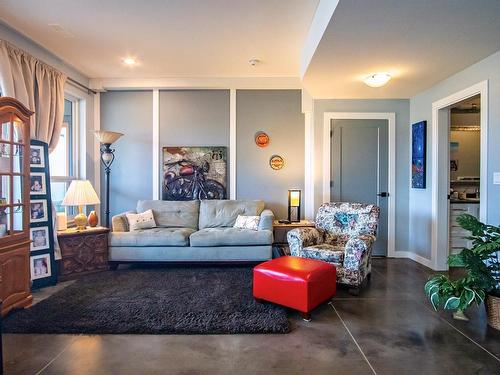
[[62, 221]]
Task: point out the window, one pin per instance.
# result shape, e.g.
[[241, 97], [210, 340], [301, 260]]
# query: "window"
[[63, 159]]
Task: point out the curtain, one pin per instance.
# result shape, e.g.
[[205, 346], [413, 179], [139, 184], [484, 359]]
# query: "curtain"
[[38, 86]]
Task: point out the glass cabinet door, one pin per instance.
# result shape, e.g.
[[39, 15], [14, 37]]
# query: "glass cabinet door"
[[14, 175]]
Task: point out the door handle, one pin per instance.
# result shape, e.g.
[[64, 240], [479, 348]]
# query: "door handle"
[[384, 194]]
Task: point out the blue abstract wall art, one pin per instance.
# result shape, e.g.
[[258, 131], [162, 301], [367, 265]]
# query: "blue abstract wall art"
[[418, 154]]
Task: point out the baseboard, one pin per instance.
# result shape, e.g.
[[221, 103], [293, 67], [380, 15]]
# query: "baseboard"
[[417, 258]]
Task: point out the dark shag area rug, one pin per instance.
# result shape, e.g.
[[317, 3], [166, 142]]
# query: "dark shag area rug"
[[215, 300]]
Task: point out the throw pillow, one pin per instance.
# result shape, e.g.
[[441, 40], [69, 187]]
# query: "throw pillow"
[[144, 220], [247, 222]]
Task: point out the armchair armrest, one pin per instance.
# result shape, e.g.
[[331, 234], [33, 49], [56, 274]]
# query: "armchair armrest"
[[356, 249], [266, 220], [302, 237], [119, 223]]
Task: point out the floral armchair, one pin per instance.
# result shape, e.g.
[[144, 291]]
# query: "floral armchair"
[[343, 236]]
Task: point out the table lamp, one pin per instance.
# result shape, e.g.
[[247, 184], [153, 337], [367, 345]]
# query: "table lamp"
[[80, 193], [294, 196]]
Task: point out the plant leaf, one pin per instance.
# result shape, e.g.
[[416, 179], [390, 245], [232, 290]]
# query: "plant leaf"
[[435, 300], [452, 303]]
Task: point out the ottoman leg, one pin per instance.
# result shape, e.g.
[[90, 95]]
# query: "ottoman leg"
[[306, 317]]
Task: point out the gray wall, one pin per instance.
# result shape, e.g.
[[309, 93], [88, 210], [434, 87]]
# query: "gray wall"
[[194, 118], [131, 113], [401, 108], [278, 113], [421, 109]]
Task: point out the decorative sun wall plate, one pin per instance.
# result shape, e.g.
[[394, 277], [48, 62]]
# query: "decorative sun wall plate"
[[276, 162], [261, 139]]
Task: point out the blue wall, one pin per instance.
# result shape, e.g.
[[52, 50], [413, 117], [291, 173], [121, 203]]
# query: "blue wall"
[[421, 109], [401, 107]]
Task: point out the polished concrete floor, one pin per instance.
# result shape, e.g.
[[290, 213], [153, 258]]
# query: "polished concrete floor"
[[388, 329]]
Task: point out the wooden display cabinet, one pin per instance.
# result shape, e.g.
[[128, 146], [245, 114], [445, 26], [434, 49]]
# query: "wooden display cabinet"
[[15, 277]]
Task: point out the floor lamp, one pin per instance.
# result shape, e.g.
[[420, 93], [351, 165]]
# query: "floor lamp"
[[107, 156]]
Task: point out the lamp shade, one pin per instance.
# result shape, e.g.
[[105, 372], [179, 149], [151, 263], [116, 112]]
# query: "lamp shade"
[[80, 193], [107, 137]]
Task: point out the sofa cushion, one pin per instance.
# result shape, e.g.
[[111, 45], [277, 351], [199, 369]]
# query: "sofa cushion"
[[172, 214], [230, 237], [152, 237], [223, 213]]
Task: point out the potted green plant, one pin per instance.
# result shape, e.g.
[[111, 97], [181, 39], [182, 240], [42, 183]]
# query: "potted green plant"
[[481, 280]]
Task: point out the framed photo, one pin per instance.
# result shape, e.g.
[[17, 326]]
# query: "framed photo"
[[40, 238], [38, 183], [40, 266], [418, 154], [38, 211], [37, 156]]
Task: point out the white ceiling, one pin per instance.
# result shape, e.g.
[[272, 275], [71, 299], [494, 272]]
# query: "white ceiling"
[[194, 38], [420, 42]]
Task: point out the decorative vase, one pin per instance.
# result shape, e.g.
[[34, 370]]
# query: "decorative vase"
[[493, 311], [93, 219]]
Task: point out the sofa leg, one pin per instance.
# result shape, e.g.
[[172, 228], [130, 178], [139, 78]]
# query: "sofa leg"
[[114, 266], [306, 317]]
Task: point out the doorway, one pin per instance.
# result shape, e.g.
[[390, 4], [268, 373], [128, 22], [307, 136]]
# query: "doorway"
[[358, 166], [465, 168], [440, 163]]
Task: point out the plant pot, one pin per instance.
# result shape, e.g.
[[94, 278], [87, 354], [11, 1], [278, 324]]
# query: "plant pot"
[[493, 311]]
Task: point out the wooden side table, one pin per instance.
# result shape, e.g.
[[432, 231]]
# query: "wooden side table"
[[83, 252], [280, 244]]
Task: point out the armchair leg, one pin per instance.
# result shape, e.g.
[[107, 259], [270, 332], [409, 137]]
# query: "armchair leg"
[[306, 317]]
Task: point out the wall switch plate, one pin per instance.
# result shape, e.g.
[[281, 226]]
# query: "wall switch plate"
[[496, 178]]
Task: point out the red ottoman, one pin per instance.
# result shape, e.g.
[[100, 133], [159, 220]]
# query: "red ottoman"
[[299, 283]]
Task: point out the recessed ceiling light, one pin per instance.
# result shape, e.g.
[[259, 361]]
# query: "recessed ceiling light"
[[377, 79], [129, 61]]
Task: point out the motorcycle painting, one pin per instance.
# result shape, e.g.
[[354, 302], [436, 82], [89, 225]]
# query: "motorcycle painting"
[[194, 173]]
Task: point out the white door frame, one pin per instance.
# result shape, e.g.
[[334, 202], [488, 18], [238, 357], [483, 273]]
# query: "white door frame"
[[391, 171], [439, 253]]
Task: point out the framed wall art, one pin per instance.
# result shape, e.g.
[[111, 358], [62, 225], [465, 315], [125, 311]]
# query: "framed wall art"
[[194, 173], [43, 263], [418, 155]]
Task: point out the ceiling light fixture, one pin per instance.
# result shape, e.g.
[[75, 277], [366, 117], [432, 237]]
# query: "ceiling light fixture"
[[129, 61], [377, 79]]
